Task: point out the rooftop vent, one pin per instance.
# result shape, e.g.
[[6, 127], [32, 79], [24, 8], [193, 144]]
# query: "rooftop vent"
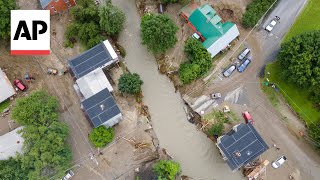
[[237, 154], [102, 107]]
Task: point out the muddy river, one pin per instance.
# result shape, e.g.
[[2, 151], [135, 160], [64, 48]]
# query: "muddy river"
[[198, 156]]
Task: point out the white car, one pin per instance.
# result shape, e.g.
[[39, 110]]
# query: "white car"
[[279, 162], [216, 95], [68, 175], [272, 24]]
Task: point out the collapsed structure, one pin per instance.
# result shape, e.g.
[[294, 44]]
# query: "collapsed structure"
[[241, 145], [207, 25], [92, 85]]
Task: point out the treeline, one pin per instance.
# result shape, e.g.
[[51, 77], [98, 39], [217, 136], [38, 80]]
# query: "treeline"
[[45, 151], [255, 11]]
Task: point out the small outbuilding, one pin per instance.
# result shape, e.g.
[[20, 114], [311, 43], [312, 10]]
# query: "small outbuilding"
[[205, 22], [6, 88], [241, 145]]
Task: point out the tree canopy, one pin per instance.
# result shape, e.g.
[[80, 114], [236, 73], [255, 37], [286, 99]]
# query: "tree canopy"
[[199, 61], [11, 169], [255, 11], [45, 151], [91, 23], [130, 83], [5, 7], [101, 136], [166, 169], [158, 32], [300, 61], [111, 19]]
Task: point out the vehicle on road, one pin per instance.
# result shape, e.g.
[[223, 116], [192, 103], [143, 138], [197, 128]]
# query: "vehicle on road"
[[52, 71], [216, 95], [244, 65], [272, 24], [68, 175], [279, 162], [229, 71], [20, 85], [246, 115], [244, 53]]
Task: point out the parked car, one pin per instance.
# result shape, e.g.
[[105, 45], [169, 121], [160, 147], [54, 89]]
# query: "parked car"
[[20, 85], [68, 175], [244, 53], [244, 65], [272, 24], [279, 162], [216, 95], [246, 115], [229, 71]]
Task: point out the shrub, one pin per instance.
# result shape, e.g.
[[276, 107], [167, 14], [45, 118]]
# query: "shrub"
[[101, 136], [166, 169], [130, 83], [255, 11], [216, 129]]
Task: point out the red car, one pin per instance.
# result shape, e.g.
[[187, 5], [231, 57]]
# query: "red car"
[[247, 117], [19, 84]]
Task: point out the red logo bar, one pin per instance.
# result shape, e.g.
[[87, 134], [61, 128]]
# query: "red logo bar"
[[30, 52]]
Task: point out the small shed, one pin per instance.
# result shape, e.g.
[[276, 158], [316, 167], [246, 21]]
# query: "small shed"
[[6, 88]]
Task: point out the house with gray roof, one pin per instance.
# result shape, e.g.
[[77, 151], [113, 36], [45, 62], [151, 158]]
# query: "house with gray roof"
[[6, 90], [241, 145], [93, 87]]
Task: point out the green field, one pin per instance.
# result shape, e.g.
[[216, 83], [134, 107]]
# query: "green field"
[[307, 21], [297, 98]]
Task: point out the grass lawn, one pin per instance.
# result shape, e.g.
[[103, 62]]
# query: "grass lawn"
[[4, 105], [307, 21], [297, 98]]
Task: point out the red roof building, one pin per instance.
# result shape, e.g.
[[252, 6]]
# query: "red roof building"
[[57, 6]]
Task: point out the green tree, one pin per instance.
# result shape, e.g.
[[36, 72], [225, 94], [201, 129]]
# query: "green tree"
[[36, 109], [11, 169], [45, 151], [166, 169], [158, 32], [130, 83], [199, 61], [300, 60], [255, 11], [111, 19], [101, 136], [5, 7], [314, 133], [169, 1]]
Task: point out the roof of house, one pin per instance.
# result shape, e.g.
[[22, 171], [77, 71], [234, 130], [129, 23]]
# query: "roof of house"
[[101, 107], [208, 23], [98, 56], [246, 141], [10, 143], [93, 83], [6, 90], [44, 3]]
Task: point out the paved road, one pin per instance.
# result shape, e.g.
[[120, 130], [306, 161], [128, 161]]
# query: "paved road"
[[198, 156], [303, 162]]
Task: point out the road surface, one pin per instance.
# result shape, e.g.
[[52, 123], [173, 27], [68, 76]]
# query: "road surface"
[[302, 162]]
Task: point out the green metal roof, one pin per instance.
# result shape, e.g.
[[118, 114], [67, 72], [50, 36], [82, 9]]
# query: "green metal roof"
[[208, 23]]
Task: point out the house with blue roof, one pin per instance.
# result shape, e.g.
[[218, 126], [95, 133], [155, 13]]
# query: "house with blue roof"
[[214, 34]]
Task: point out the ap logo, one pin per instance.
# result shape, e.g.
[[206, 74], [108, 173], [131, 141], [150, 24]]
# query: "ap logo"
[[30, 32]]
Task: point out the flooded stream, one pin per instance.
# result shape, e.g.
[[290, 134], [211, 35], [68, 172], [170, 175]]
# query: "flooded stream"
[[198, 155]]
